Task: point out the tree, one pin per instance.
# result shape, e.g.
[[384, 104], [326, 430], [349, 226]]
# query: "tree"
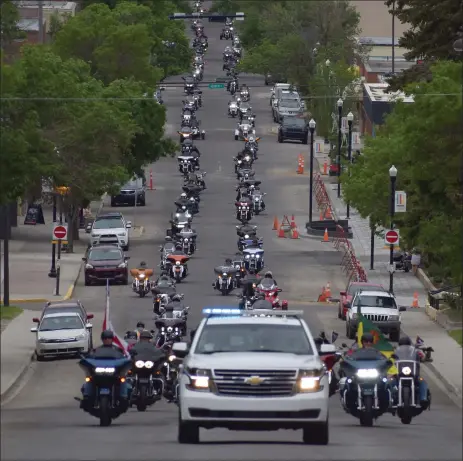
[[9, 17], [433, 28], [424, 141]]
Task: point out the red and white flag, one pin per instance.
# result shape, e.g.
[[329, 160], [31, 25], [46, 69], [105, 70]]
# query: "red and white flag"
[[107, 325]]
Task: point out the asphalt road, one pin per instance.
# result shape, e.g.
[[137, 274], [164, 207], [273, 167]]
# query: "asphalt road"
[[44, 423]]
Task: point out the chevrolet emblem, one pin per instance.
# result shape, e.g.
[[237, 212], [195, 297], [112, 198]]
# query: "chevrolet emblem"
[[254, 380]]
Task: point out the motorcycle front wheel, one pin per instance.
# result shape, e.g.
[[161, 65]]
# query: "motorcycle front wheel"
[[105, 411], [366, 417], [141, 399], [406, 417]]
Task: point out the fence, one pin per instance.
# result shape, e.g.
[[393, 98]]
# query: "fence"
[[322, 198]]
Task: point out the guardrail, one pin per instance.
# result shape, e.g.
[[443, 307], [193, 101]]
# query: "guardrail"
[[322, 198]]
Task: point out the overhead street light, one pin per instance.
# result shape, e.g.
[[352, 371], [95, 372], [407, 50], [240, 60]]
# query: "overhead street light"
[[340, 103], [393, 178], [350, 120], [312, 125]]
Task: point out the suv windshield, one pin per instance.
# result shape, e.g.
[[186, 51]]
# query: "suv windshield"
[[61, 323], [105, 254], [294, 121], [291, 103], [285, 339], [108, 224], [354, 289], [377, 301]]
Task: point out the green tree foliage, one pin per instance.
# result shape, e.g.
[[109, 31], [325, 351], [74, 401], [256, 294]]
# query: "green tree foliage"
[[125, 41], [434, 28], [424, 141], [9, 17]]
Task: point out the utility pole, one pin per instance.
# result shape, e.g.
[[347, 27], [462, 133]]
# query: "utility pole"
[[41, 31]]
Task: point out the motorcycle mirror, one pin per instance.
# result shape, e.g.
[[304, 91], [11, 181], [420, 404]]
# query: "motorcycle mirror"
[[334, 336], [344, 345], [394, 356], [279, 290]]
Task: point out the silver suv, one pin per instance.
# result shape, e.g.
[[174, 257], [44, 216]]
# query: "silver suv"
[[285, 107]]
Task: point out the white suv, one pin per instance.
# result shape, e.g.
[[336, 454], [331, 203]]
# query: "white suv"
[[249, 371], [111, 228], [378, 307]]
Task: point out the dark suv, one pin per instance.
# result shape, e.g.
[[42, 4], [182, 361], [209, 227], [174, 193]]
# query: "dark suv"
[[294, 129], [132, 193], [106, 262]]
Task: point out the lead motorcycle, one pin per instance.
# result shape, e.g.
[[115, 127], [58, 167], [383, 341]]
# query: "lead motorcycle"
[[364, 389], [243, 212], [106, 376]]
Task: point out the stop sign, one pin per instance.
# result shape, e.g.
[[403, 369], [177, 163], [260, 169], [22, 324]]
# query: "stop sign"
[[391, 237], [60, 232]]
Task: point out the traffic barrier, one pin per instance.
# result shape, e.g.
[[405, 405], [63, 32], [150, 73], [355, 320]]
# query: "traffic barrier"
[[284, 227], [325, 236], [151, 180], [281, 233], [276, 225], [293, 223], [415, 300], [294, 233], [300, 164]]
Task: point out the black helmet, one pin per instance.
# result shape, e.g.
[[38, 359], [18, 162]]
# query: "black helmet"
[[178, 246], [140, 325], [131, 335], [107, 334], [145, 334], [405, 341], [143, 264], [367, 338], [228, 261]]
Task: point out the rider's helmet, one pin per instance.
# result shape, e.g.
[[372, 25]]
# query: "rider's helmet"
[[183, 195], [176, 297], [228, 262], [107, 334], [178, 246], [143, 264], [140, 325], [367, 338], [268, 275], [145, 334], [405, 341], [131, 335]]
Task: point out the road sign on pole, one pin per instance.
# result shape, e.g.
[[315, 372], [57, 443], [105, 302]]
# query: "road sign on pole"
[[400, 201], [60, 233], [214, 86], [392, 237]]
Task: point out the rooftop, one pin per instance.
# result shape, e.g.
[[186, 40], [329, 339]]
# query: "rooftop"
[[377, 92], [47, 4], [28, 25]]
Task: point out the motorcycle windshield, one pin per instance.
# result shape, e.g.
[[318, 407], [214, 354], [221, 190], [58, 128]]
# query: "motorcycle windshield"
[[267, 284], [406, 353]]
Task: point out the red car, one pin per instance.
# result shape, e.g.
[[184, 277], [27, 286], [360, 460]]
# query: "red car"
[[347, 296]]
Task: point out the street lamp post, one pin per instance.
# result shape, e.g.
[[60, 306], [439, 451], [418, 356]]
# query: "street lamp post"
[[52, 272], [312, 125], [338, 162], [393, 177], [350, 119]]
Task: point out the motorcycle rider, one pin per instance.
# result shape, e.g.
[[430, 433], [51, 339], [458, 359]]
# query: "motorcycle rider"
[[140, 328], [145, 347], [244, 198], [246, 229], [182, 201], [108, 350], [249, 283], [261, 303], [406, 349], [269, 276]]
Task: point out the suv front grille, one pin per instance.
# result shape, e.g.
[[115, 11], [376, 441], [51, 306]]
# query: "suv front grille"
[[274, 383], [376, 317]]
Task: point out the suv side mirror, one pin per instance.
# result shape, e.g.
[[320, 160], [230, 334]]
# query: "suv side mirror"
[[180, 349], [343, 293], [402, 308], [36, 320], [90, 316]]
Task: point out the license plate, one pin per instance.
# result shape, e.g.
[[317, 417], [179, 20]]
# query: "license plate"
[[105, 392], [368, 391]]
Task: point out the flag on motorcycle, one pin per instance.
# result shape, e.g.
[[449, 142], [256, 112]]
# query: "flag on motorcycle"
[[379, 340], [107, 325]]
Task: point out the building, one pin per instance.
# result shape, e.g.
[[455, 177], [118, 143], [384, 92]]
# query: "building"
[[376, 104]]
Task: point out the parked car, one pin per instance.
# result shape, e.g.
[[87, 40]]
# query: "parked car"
[[351, 290], [106, 262], [131, 193], [111, 228], [67, 307], [293, 129], [61, 334]]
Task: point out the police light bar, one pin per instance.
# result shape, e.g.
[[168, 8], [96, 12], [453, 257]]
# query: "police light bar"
[[221, 311], [273, 313]]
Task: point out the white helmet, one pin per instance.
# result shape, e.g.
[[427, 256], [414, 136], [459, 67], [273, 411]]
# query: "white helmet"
[[183, 194]]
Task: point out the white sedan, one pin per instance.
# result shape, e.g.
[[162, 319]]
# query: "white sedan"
[[62, 334]]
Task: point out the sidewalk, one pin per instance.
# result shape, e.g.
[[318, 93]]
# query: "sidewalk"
[[447, 364], [30, 262]]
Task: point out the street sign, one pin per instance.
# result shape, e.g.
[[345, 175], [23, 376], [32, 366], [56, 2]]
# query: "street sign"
[[214, 86], [400, 201], [391, 237], [60, 233]]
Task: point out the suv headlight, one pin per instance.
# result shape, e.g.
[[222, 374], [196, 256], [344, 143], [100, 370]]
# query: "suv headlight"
[[88, 266], [394, 317], [199, 379], [310, 380], [80, 337], [123, 265], [94, 235], [121, 234]]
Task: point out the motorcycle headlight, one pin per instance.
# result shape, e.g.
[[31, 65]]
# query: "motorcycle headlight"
[[406, 371], [169, 329], [367, 373], [257, 256], [177, 263], [105, 370], [172, 358], [183, 207], [142, 276], [224, 274], [246, 236], [149, 364], [247, 256], [178, 215], [237, 267], [185, 240], [239, 162], [256, 199], [139, 363]]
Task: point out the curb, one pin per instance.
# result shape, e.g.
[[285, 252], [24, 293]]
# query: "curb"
[[72, 287], [10, 388], [454, 394]]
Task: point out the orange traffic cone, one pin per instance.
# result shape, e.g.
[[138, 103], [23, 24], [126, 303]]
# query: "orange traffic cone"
[[295, 233], [415, 300], [321, 215], [325, 168], [275, 224], [328, 213], [322, 296], [293, 223], [328, 290], [325, 236], [281, 233]]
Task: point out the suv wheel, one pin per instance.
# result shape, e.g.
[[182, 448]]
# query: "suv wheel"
[[187, 432], [113, 203], [394, 335], [87, 282], [350, 332], [280, 138], [305, 140], [316, 433]]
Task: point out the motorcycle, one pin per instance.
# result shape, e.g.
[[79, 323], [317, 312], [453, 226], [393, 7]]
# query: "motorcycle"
[[329, 359], [268, 288], [188, 241], [169, 331], [106, 375], [245, 96], [198, 98], [257, 198], [231, 88], [245, 174], [178, 222], [179, 268], [225, 281], [226, 34], [240, 271], [247, 241], [243, 212], [141, 281], [402, 261], [253, 258], [162, 299], [171, 371], [197, 74], [147, 382], [233, 109], [185, 164], [364, 390]]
